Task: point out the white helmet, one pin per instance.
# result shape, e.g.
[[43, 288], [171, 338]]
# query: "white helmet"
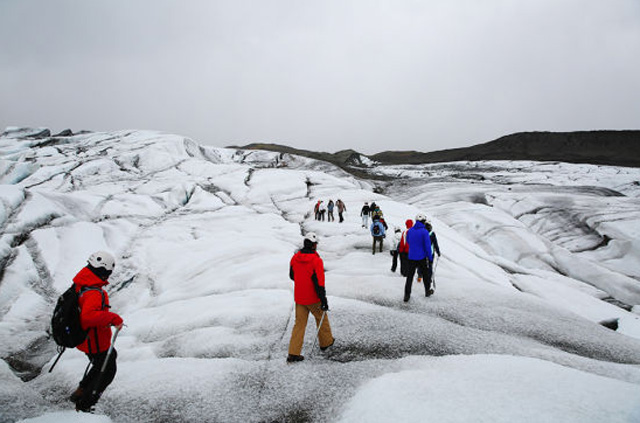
[[311, 236], [421, 218], [102, 259]]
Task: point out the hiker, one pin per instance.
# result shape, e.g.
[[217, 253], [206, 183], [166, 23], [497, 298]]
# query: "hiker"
[[322, 209], [435, 249], [378, 234], [365, 215], [330, 206], [397, 235], [403, 249], [306, 270], [420, 256], [316, 210], [96, 318], [376, 213], [341, 209]]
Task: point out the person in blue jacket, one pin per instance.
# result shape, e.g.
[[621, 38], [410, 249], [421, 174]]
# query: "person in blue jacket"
[[377, 232], [420, 256]]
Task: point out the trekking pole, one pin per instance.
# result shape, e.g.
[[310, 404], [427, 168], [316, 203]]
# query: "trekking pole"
[[104, 363], [61, 350], [318, 332], [433, 272]]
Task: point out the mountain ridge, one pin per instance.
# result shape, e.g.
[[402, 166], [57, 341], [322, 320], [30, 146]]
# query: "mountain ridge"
[[602, 147]]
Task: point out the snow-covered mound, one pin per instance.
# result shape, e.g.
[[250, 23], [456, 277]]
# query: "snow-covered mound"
[[535, 258]]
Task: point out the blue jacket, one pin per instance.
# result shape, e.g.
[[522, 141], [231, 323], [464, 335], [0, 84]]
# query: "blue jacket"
[[419, 242], [377, 223]]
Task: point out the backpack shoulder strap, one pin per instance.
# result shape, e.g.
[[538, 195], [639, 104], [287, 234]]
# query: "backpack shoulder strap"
[[91, 288]]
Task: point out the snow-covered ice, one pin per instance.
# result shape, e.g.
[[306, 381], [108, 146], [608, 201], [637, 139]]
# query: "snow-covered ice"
[[535, 257]]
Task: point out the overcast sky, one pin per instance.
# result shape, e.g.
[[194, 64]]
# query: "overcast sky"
[[322, 75]]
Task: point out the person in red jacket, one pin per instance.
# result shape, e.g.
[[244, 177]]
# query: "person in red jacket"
[[306, 270], [403, 249], [95, 318]]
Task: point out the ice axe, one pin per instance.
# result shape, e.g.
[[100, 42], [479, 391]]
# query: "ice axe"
[[318, 332]]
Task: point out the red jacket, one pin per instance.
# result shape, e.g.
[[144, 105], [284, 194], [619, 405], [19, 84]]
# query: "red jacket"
[[93, 317], [304, 265], [403, 247]]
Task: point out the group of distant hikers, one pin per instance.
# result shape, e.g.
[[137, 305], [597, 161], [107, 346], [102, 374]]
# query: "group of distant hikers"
[[320, 209], [415, 247], [88, 303], [419, 257]]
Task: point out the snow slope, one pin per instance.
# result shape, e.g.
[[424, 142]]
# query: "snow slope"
[[535, 257]]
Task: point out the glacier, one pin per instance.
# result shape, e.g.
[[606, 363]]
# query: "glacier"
[[535, 316]]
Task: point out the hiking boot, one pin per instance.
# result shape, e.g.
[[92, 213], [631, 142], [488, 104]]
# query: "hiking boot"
[[429, 293], [331, 344], [292, 358], [85, 404], [406, 298], [77, 395]]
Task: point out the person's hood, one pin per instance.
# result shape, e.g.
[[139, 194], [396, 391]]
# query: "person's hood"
[[409, 223], [419, 225], [86, 277], [305, 255]]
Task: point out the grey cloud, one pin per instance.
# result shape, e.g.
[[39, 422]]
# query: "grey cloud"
[[322, 75]]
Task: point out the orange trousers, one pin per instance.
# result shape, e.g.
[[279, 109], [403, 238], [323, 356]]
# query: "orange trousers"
[[325, 337]]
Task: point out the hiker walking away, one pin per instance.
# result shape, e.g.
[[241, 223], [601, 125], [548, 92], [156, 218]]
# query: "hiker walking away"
[[330, 206], [306, 270], [397, 234], [419, 256], [376, 213], [95, 318], [435, 249], [377, 232], [403, 249], [316, 210], [365, 215], [322, 209], [432, 237], [341, 209]]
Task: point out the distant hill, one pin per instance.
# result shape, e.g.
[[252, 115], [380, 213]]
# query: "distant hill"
[[349, 160], [616, 148]]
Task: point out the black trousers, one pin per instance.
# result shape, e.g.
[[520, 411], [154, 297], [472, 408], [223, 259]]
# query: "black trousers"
[[340, 216], [425, 268], [404, 263], [394, 260], [92, 380]]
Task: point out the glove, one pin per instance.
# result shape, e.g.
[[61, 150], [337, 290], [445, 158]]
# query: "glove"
[[324, 305]]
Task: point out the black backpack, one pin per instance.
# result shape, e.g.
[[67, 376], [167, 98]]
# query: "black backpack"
[[65, 322]]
